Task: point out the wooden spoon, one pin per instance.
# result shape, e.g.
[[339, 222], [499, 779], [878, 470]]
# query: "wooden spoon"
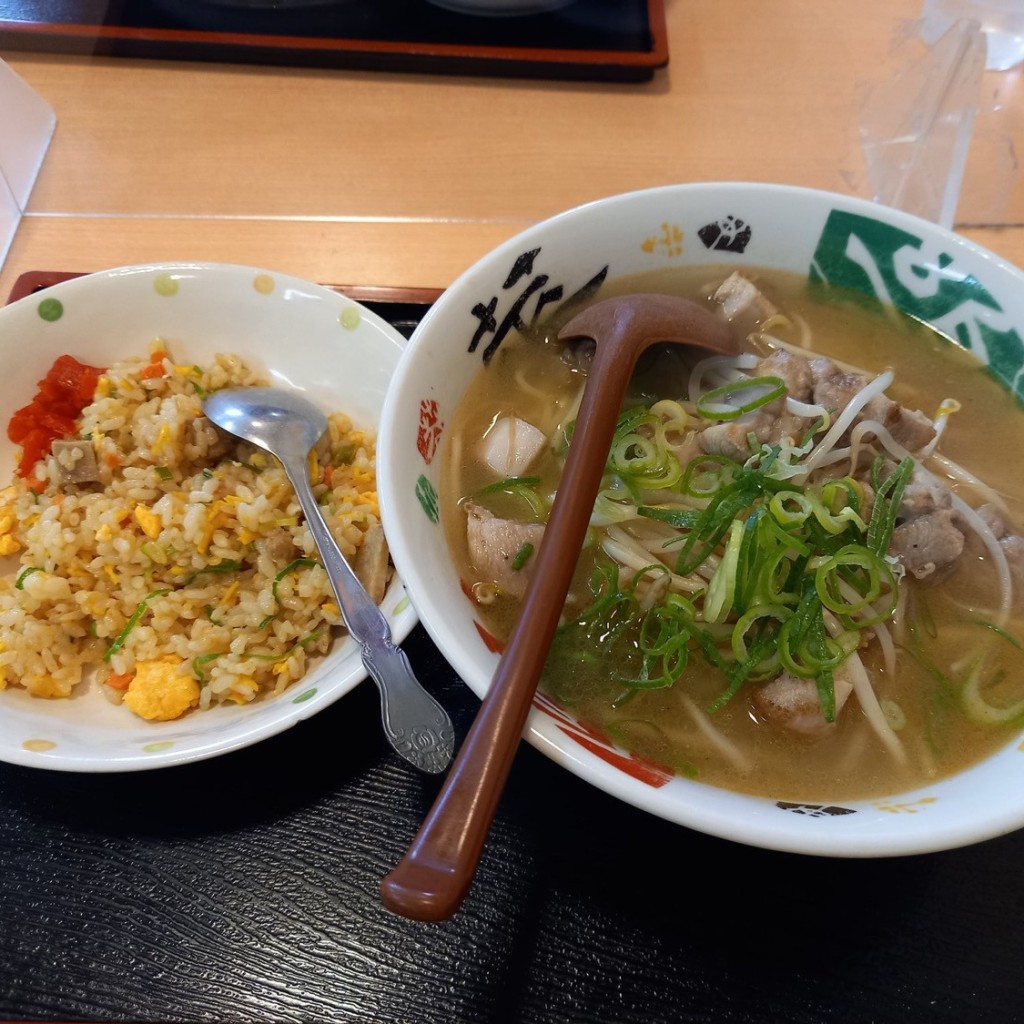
[[431, 880]]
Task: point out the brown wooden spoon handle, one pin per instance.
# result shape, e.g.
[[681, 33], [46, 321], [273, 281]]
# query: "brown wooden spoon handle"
[[430, 881]]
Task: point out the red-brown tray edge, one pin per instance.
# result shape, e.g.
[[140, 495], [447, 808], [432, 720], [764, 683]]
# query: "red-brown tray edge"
[[32, 281], [471, 58]]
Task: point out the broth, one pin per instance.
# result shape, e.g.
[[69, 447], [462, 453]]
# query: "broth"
[[937, 628]]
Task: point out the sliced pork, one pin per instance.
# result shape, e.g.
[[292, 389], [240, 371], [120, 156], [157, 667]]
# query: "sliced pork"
[[280, 547], [929, 536], [497, 546], [742, 303], [791, 702], [928, 545], [76, 462], [834, 388], [1012, 545], [771, 423], [923, 495], [372, 563]]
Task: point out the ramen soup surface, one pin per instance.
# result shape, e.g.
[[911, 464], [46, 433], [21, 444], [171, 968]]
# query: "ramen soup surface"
[[932, 686]]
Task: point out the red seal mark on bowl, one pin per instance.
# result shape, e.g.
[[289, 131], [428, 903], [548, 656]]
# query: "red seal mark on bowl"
[[428, 434]]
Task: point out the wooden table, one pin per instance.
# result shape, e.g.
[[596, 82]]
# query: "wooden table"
[[400, 179], [245, 888]]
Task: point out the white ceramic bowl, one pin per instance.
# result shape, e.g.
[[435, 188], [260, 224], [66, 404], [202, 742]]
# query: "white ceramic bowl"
[[301, 336], [967, 292]]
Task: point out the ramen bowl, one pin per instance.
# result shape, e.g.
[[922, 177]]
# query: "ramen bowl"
[[968, 294], [291, 333]]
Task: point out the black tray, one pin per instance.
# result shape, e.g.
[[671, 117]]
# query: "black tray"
[[622, 40], [245, 888]]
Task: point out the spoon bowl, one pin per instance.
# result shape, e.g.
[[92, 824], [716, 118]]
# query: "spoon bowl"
[[270, 418], [287, 426]]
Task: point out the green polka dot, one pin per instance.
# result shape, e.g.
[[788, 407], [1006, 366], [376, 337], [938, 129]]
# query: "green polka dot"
[[350, 318], [303, 697], [155, 748], [51, 309], [402, 605], [165, 285]]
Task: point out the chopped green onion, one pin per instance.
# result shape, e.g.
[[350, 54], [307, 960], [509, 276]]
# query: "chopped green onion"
[[790, 508], [714, 521], [154, 552], [19, 583], [664, 642], [197, 666], [835, 522], [816, 426], [640, 450], [867, 574], [345, 454], [510, 483], [683, 519], [982, 710], [722, 588], [805, 649], [767, 389], [888, 496], [132, 622], [751, 622], [1000, 631], [301, 642], [522, 556], [739, 672], [702, 481], [524, 487], [299, 563], [220, 567]]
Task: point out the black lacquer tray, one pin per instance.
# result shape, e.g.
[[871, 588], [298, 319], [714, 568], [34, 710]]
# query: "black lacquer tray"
[[245, 889], [621, 40]]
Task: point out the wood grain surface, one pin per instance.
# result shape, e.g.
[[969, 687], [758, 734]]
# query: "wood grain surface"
[[406, 179]]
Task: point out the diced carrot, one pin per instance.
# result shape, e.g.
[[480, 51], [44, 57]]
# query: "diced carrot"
[[151, 370], [112, 459], [120, 680]]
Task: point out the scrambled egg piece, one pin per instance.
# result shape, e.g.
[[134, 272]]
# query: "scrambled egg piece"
[[159, 693], [149, 521], [8, 544], [46, 686]]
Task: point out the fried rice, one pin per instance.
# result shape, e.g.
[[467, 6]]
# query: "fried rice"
[[184, 576]]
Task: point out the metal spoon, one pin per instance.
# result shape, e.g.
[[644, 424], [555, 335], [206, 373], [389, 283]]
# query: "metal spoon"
[[287, 426], [429, 883]]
